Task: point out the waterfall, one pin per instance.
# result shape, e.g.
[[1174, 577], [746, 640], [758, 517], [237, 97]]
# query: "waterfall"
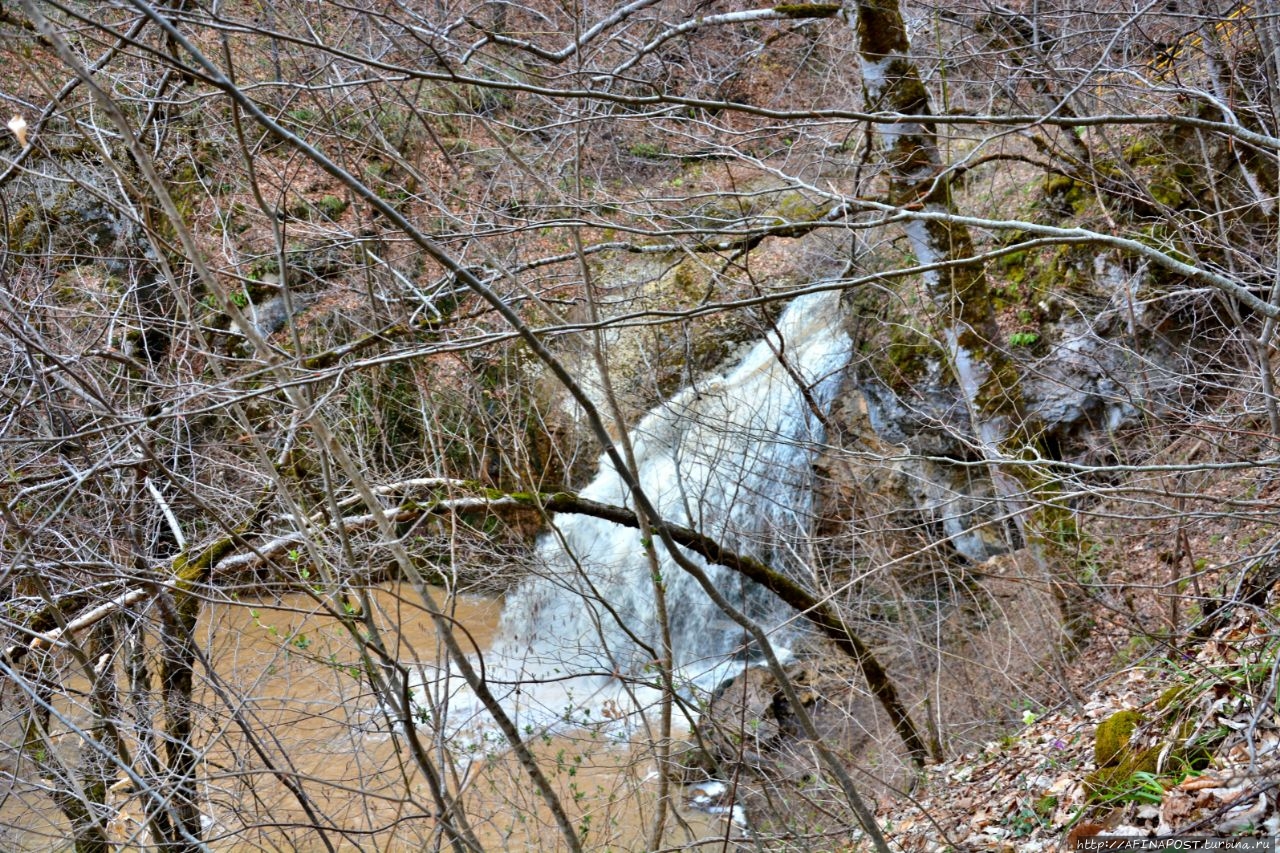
[[731, 456]]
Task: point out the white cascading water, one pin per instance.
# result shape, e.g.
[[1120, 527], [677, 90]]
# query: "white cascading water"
[[730, 457]]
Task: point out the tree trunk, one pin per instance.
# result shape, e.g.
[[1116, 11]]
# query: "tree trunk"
[[986, 379], [176, 679]]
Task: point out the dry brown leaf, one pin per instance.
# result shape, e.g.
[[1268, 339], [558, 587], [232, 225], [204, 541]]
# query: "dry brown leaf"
[[1199, 783]]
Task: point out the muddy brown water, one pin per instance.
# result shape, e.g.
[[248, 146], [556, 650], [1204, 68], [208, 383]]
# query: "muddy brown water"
[[289, 674]]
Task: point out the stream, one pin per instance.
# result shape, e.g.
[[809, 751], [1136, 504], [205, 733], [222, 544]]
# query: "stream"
[[284, 693]]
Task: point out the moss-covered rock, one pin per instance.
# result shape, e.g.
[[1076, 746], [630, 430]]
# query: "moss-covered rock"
[[1063, 195], [1145, 151], [1113, 736], [1170, 697], [1117, 781], [1125, 769]]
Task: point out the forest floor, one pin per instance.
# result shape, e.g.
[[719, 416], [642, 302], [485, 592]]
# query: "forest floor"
[[1181, 733]]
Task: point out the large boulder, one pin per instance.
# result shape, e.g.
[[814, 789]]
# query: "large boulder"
[[750, 723]]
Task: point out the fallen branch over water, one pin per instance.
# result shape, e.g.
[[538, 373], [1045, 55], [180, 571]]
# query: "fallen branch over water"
[[818, 611], [228, 557]]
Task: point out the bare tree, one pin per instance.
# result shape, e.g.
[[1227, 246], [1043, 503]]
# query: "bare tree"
[[315, 314]]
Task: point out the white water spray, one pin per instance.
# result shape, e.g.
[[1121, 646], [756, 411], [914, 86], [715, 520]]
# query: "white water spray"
[[730, 457]]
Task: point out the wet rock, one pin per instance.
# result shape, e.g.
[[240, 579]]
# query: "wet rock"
[[688, 763], [959, 502], [778, 785], [1104, 359], [717, 798], [750, 722]]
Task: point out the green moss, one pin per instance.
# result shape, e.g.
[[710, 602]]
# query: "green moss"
[[646, 150], [1166, 192], [298, 464], [303, 115], [1112, 738], [1045, 806], [1013, 267], [1065, 267], [1161, 236], [795, 208], [209, 153], [1125, 780], [907, 356], [1065, 196], [191, 569], [686, 280], [1171, 696], [1059, 185], [23, 218], [1001, 392], [1170, 182], [1145, 151], [808, 10], [486, 100], [677, 361], [185, 189]]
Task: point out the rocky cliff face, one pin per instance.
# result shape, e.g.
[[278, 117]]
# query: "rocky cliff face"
[[920, 546], [1101, 358]]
